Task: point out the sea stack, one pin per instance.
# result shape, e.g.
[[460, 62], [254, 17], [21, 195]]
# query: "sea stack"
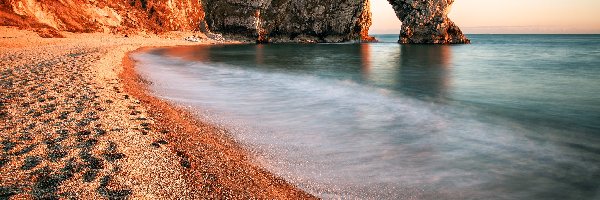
[[427, 22]]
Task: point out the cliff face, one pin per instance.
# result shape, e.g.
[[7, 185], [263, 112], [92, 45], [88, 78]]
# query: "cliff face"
[[288, 20], [427, 22], [103, 15], [424, 21]]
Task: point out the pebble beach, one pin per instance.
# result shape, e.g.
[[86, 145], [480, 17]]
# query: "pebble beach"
[[77, 122]]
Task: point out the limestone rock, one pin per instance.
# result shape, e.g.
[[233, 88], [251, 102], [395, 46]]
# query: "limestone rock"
[[288, 20], [103, 15], [426, 21], [192, 39]]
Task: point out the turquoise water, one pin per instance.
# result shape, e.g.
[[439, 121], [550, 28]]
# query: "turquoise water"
[[507, 117]]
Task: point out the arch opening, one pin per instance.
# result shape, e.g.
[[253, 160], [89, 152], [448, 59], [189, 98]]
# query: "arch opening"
[[384, 19]]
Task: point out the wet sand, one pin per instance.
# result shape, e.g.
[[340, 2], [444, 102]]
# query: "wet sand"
[[76, 121]]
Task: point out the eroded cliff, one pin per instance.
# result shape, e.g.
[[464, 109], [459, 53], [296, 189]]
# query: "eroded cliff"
[[103, 15], [424, 21], [288, 20]]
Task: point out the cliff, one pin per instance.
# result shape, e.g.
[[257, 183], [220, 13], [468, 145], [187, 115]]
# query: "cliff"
[[424, 21], [288, 20], [102, 15]]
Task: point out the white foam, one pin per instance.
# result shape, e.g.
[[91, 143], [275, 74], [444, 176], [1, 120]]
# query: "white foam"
[[338, 138]]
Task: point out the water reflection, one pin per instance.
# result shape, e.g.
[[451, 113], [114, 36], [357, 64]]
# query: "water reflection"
[[365, 61], [417, 70], [260, 55], [189, 53], [424, 71], [379, 65]]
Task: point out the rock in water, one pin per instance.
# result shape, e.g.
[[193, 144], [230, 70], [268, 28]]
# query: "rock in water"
[[427, 22]]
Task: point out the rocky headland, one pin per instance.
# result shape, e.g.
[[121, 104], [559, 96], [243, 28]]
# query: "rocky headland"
[[423, 21]]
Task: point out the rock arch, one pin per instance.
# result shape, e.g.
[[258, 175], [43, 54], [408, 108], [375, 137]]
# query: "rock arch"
[[424, 21]]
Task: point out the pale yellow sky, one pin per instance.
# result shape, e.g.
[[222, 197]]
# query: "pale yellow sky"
[[507, 16]]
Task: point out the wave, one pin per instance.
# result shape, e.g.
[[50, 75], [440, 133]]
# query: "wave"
[[339, 138]]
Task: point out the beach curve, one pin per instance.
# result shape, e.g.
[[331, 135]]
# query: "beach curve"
[[73, 127]]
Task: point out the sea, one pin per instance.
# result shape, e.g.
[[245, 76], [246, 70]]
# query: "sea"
[[506, 117]]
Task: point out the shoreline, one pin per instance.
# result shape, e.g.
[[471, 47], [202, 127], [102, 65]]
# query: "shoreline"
[[183, 127], [77, 123]]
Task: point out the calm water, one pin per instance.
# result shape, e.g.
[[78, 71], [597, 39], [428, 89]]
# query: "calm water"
[[507, 117]]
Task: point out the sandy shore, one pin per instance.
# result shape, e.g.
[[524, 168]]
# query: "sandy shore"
[[76, 121]]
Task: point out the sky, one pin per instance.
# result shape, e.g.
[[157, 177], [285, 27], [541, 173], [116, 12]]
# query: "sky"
[[506, 16]]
